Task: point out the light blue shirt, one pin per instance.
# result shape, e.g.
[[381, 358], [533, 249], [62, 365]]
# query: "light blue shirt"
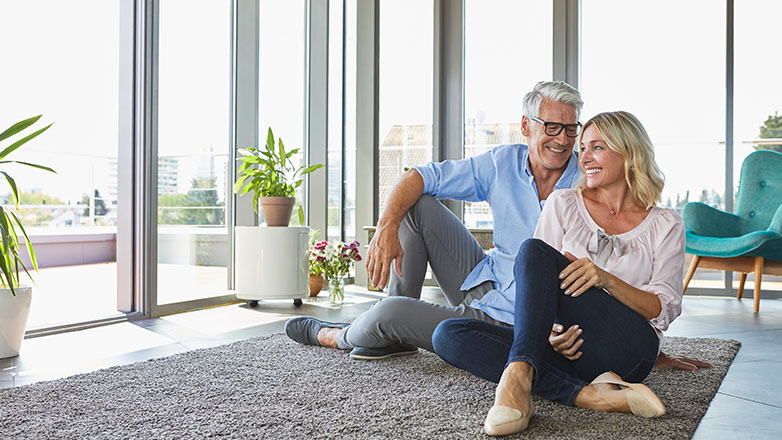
[[503, 178]]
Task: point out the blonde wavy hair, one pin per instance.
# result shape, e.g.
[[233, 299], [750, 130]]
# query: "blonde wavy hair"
[[624, 134]]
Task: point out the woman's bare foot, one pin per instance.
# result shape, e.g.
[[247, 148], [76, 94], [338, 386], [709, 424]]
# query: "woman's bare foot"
[[515, 387], [327, 336], [603, 397]]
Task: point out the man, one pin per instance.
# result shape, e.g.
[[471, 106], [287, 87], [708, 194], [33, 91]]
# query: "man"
[[416, 229]]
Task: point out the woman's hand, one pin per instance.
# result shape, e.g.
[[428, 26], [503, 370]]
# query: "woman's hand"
[[582, 274], [566, 342]]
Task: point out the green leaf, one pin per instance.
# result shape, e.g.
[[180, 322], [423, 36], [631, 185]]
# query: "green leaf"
[[270, 140], [6, 233], [30, 165], [251, 160], [5, 260], [239, 182], [301, 215], [14, 190], [27, 242], [282, 148], [7, 277], [311, 168], [19, 126], [21, 142]]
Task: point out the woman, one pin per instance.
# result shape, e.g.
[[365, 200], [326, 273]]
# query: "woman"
[[620, 279]]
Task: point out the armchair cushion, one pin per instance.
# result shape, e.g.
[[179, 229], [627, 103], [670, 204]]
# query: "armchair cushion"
[[702, 219], [756, 228]]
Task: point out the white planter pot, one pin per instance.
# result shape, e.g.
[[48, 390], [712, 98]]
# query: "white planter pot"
[[14, 311], [271, 262]]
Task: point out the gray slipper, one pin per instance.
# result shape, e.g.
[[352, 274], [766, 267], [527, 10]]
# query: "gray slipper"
[[304, 329], [371, 354]]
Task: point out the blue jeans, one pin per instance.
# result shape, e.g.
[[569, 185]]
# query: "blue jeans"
[[616, 338]]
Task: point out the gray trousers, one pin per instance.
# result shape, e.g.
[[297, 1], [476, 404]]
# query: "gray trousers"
[[429, 232]]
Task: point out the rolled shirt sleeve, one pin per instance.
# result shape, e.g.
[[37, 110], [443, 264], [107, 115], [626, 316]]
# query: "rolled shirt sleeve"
[[667, 278], [468, 179]]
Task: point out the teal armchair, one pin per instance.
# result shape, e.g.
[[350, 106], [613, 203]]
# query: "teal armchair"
[[749, 240]]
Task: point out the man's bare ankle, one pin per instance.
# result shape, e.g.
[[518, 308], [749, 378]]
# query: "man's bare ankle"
[[327, 337]]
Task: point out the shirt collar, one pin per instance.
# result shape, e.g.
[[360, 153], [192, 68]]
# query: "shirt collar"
[[525, 161]]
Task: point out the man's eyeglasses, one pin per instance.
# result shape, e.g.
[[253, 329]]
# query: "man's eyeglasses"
[[555, 128]]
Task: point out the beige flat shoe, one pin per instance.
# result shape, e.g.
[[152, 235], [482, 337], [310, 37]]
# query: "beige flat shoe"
[[504, 420], [641, 399]]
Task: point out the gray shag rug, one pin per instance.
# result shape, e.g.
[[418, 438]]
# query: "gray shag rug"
[[271, 387]]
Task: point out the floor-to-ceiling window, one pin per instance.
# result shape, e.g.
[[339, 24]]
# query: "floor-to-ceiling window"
[[349, 185], [193, 179], [406, 89], [61, 59], [335, 144], [282, 76], [673, 81], [507, 49], [757, 113]]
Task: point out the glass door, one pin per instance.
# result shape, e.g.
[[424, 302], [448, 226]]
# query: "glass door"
[[62, 60], [193, 188]]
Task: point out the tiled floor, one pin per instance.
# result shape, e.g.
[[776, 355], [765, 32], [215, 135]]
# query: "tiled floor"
[[748, 405], [98, 299]]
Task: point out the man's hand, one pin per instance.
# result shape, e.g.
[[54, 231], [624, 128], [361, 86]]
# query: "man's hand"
[[566, 343], [384, 248], [678, 362]]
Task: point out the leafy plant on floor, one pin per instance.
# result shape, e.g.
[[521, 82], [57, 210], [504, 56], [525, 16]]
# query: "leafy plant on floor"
[[10, 225], [275, 175]]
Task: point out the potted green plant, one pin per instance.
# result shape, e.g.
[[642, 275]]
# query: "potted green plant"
[[274, 180], [15, 299]]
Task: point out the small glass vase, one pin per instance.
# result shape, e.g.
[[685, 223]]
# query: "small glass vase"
[[336, 291]]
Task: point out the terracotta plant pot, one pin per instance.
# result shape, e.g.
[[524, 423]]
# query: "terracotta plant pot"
[[316, 284], [277, 210]]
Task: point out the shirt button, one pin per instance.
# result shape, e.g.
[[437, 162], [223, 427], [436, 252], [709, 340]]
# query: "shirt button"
[[752, 213], [762, 183]]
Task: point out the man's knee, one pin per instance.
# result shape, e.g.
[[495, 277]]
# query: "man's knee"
[[392, 309], [424, 208]]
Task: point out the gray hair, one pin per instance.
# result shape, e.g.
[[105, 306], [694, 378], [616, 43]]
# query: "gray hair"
[[557, 91]]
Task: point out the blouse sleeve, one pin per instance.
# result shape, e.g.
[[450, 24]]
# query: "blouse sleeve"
[[667, 263], [550, 227]]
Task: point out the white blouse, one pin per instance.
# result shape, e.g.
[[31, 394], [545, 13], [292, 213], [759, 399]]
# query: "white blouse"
[[649, 257]]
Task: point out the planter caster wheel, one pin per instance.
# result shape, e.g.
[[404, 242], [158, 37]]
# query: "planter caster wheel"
[[297, 302], [253, 303]]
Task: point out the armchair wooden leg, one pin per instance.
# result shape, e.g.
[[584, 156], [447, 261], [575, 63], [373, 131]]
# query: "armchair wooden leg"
[[691, 271], [742, 280], [758, 276]]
